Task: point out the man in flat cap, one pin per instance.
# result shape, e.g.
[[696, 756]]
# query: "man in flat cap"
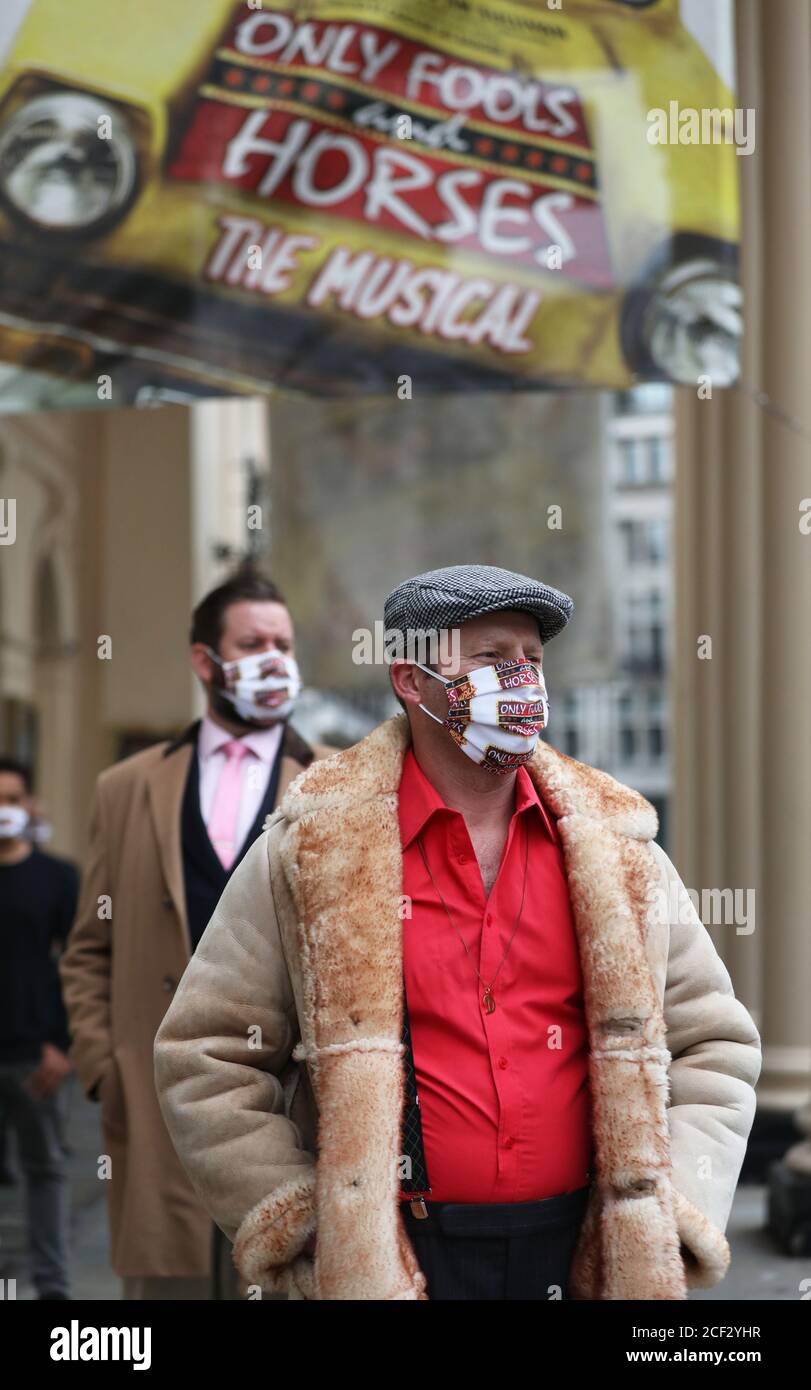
[[455, 1029]]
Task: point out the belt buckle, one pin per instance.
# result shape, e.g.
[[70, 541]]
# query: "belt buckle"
[[417, 1207]]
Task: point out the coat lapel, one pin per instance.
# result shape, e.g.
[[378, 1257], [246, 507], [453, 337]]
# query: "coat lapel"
[[342, 859], [166, 783], [296, 754]]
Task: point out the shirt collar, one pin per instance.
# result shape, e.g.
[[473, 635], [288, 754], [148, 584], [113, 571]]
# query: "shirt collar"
[[264, 743], [419, 800], [526, 796]]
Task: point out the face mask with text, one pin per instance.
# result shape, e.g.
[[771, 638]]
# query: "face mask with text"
[[495, 713]]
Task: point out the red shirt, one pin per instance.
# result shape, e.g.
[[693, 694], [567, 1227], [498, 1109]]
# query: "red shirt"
[[504, 1097]]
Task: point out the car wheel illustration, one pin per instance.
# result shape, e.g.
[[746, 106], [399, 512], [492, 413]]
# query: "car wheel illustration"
[[684, 320]]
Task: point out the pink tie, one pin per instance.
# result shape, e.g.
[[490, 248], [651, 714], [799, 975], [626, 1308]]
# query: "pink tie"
[[224, 816]]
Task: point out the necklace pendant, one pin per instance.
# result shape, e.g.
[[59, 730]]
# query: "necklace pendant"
[[489, 1002]]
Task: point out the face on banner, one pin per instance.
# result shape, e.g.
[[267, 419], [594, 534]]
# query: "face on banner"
[[462, 197]]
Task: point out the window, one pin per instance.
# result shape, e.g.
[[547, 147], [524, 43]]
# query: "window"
[[645, 631], [627, 730], [658, 458], [645, 542], [644, 459], [657, 722], [649, 398], [570, 731], [656, 538], [634, 464], [632, 536], [639, 643]]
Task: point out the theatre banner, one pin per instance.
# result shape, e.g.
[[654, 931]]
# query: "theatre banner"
[[199, 197]]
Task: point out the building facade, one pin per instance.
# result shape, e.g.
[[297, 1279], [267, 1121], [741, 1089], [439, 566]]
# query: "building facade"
[[122, 520], [621, 723]]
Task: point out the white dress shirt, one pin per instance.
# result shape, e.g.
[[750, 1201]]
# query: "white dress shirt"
[[255, 769]]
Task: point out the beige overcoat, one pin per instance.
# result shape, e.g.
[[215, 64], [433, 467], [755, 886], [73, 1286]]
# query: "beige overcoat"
[[126, 952], [279, 1069]]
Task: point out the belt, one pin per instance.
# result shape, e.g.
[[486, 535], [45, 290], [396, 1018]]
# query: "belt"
[[496, 1218]]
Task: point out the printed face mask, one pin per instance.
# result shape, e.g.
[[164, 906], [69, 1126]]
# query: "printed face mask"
[[262, 687], [495, 713], [13, 820]]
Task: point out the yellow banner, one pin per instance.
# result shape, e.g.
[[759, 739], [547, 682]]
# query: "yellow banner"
[[212, 197]]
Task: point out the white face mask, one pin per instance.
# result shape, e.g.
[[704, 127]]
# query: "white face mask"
[[13, 820], [495, 713], [40, 832], [250, 681]]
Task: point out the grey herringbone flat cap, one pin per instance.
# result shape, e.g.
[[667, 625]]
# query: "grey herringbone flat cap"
[[445, 598]]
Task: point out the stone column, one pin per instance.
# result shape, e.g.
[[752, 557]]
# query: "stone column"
[[742, 756]]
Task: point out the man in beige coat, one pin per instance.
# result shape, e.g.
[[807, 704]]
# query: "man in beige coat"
[[280, 1065], [151, 882]]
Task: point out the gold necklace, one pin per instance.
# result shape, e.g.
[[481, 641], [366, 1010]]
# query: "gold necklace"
[[487, 998]]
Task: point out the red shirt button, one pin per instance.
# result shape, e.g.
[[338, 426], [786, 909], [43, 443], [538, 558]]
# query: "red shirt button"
[[508, 1143], [502, 1061], [489, 919]]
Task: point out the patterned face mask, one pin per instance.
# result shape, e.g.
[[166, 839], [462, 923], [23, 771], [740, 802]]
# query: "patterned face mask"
[[495, 713], [13, 821], [262, 687]]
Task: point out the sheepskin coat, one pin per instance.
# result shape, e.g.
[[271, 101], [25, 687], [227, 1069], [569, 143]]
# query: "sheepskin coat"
[[279, 1062]]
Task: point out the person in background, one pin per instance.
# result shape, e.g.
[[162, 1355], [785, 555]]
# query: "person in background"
[[39, 829], [169, 827], [38, 894]]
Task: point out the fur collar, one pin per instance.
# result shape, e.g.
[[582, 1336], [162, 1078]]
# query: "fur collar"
[[373, 766]]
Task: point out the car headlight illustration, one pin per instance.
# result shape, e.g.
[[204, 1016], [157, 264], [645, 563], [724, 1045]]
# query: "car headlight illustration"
[[688, 324], [68, 164]]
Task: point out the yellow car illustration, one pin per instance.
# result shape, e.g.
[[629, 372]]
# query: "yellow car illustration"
[[488, 194]]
